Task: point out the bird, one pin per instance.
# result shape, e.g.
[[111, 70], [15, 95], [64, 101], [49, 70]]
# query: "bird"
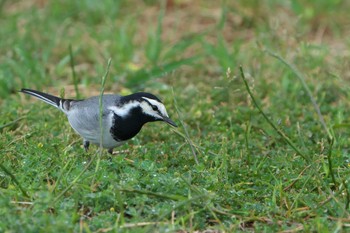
[[122, 116]]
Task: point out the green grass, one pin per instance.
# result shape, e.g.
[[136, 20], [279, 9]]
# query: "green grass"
[[262, 149]]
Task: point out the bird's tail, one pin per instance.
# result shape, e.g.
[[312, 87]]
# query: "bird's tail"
[[62, 104]]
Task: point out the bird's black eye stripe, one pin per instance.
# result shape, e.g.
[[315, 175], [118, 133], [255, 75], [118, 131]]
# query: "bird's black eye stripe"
[[155, 108]]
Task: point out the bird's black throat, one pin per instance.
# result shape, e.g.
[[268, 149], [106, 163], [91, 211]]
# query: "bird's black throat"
[[127, 127]]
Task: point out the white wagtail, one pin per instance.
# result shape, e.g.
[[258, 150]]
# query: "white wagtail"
[[122, 116]]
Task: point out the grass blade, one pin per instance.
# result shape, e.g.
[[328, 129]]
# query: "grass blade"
[[24, 192], [75, 179], [316, 107], [187, 137], [307, 89], [103, 82], [75, 80], [95, 155], [279, 131], [11, 123]]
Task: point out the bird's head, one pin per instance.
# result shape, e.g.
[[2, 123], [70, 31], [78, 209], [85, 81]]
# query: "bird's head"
[[153, 107], [148, 104]]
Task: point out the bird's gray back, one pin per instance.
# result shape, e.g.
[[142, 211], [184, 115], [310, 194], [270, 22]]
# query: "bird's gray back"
[[93, 102]]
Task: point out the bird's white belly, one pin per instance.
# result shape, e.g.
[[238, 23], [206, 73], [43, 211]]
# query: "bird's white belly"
[[95, 138], [89, 129]]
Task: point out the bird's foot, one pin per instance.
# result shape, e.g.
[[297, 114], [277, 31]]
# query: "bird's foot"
[[86, 145]]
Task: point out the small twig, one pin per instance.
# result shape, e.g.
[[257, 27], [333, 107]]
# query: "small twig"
[[347, 220], [148, 193], [332, 195], [279, 131], [26, 203], [141, 224], [324, 202], [299, 176], [131, 225], [299, 228]]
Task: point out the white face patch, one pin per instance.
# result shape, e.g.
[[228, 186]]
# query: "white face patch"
[[147, 109], [124, 110]]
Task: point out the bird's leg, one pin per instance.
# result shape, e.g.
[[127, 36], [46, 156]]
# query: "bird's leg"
[[110, 151], [86, 145]]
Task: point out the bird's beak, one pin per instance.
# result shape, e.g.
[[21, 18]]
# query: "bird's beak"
[[169, 121]]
